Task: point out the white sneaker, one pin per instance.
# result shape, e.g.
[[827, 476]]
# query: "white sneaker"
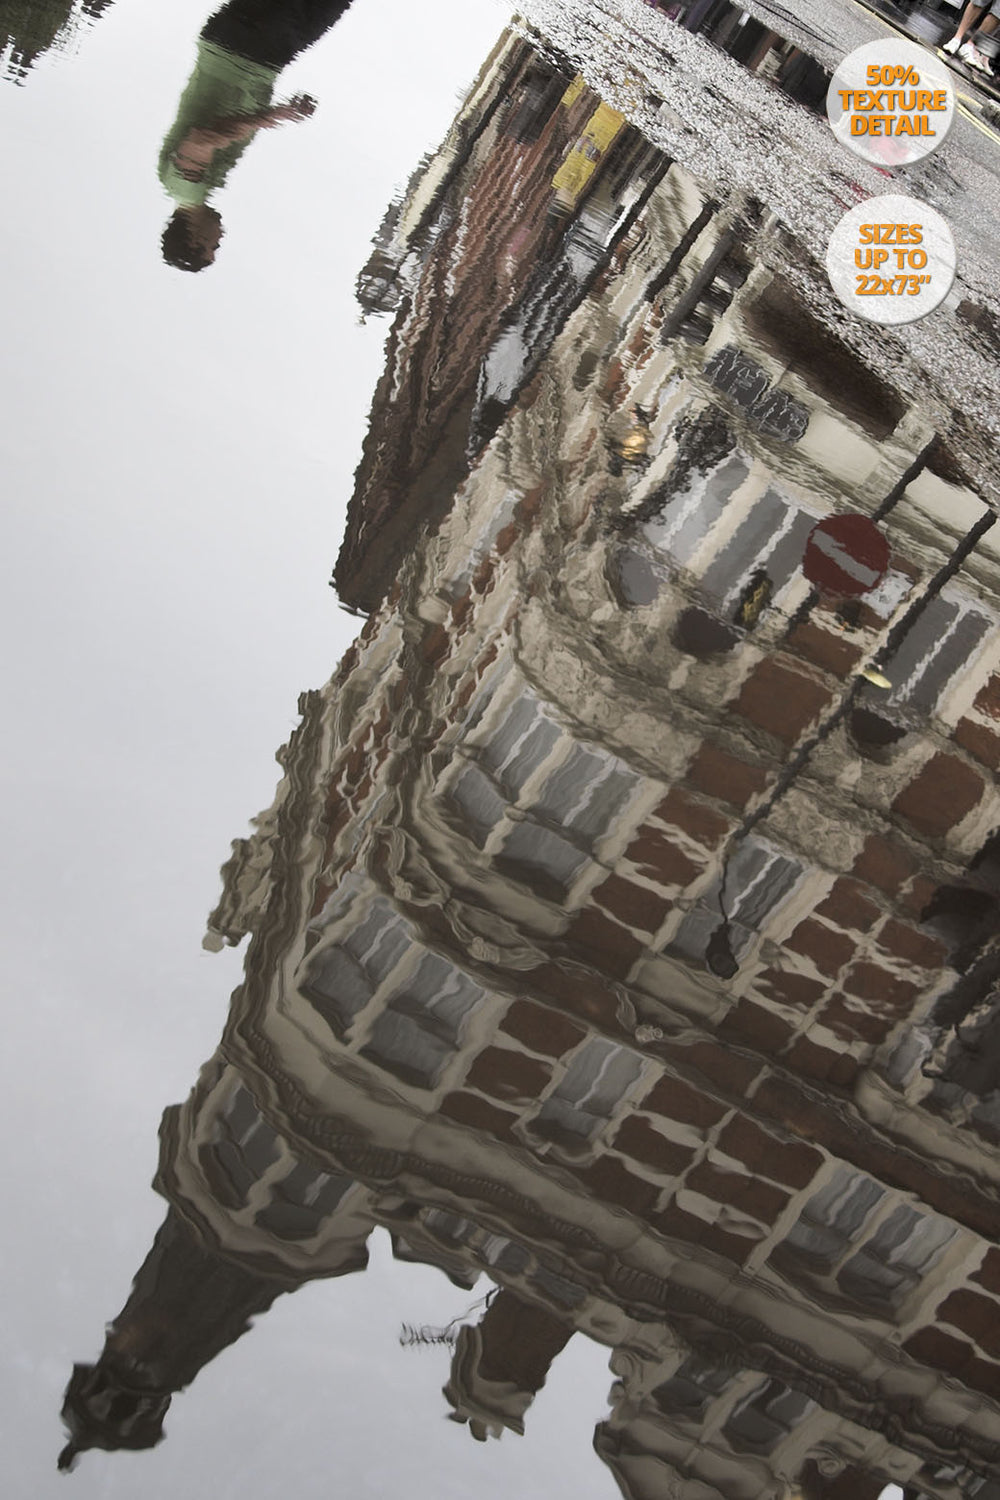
[[973, 58], [952, 47]]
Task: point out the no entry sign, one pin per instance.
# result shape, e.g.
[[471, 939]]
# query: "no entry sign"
[[846, 555]]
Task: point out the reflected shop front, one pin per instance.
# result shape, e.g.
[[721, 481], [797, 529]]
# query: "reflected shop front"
[[624, 928]]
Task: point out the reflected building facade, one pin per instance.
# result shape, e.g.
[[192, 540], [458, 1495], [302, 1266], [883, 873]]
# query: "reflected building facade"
[[624, 926]]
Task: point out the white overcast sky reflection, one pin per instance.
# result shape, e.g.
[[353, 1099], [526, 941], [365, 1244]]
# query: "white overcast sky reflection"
[[177, 455]]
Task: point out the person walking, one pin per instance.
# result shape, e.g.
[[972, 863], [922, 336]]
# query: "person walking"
[[967, 51], [241, 51]]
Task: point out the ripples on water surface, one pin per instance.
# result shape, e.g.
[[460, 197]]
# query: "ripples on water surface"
[[621, 939]]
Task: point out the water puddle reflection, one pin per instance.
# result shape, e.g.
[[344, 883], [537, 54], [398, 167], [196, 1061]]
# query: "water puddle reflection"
[[624, 926]]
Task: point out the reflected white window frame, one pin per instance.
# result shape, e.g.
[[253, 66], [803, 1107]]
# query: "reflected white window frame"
[[904, 1272], [777, 1393], [966, 607], [526, 805], [714, 1385], [305, 1201], [793, 1262], [218, 1127], [661, 533], [751, 491], [261, 1193], [794, 512], [743, 935], [398, 1011], [226, 1095], [350, 908], [347, 912], [592, 1144]]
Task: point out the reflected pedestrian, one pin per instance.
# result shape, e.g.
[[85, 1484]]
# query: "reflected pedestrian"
[[241, 51]]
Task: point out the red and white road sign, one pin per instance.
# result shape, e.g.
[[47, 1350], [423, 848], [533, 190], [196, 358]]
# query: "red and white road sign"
[[846, 555]]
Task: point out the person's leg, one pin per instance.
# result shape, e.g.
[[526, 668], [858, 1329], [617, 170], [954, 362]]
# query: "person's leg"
[[970, 53], [970, 15]]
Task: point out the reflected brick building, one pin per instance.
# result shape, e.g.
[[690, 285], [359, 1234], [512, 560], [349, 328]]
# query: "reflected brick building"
[[624, 925], [497, 238]]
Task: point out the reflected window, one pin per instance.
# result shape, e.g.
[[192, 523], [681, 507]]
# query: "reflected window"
[[475, 796], [758, 880], [301, 1201], [513, 1259], [888, 1261], [586, 793], [379, 942], [341, 978], [891, 1263], [596, 1082], [691, 1390], [946, 635], [558, 1288], [423, 1000], [497, 1250], [420, 1028], [492, 1247], [523, 741], [956, 1476], [767, 1417], [534, 105], [682, 527], [772, 536], [582, 799], [242, 1148], [448, 1226], [550, 839], [831, 1221], [540, 857]]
